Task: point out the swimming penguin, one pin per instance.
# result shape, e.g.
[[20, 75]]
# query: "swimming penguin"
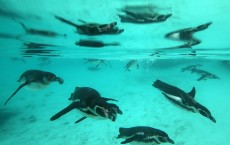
[[187, 35], [94, 43], [93, 28], [185, 100], [143, 18], [204, 74], [90, 102], [36, 79], [144, 134]]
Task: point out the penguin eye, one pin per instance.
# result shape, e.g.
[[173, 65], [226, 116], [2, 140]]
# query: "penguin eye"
[[51, 77]]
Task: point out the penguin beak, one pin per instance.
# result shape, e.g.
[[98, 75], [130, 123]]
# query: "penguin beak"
[[169, 15], [213, 119], [60, 80], [170, 141]]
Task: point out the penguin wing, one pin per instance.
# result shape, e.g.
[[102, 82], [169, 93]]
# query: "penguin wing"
[[65, 110], [108, 99], [66, 21], [202, 77], [21, 86]]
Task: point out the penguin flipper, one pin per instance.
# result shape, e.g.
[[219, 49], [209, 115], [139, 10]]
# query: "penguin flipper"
[[203, 26], [109, 99], [66, 21], [202, 77], [21, 86], [82, 21], [81, 119], [133, 138], [65, 110]]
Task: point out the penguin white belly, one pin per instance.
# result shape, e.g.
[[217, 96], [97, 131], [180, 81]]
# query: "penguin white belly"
[[176, 98]]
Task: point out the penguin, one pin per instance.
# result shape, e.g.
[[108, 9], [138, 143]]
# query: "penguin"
[[185, 100], [94, 43], [93, 28], [187, 35], [144, 134], [204, 74], [36, 79], [143, 18], [91, 103]]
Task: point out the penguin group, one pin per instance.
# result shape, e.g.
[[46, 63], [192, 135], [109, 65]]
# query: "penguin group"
[[134, 14], [89, 101]]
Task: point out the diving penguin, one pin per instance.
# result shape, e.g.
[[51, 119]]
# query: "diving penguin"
[[185, 100], [144, 134], [36, 79], [89, 101]]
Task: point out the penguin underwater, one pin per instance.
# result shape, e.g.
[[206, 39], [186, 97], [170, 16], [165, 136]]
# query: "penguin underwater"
[[36, 79], [144, 134], [185, 100], [90, 102]]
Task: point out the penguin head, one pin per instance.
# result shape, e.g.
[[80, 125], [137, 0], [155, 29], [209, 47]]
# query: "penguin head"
[[162, 86], [107, 110], [123, 132], [205, 112], [157, 84], [50, 77], [164, 139]]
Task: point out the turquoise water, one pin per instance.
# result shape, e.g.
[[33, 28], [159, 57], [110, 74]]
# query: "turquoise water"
[[25, 120]]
